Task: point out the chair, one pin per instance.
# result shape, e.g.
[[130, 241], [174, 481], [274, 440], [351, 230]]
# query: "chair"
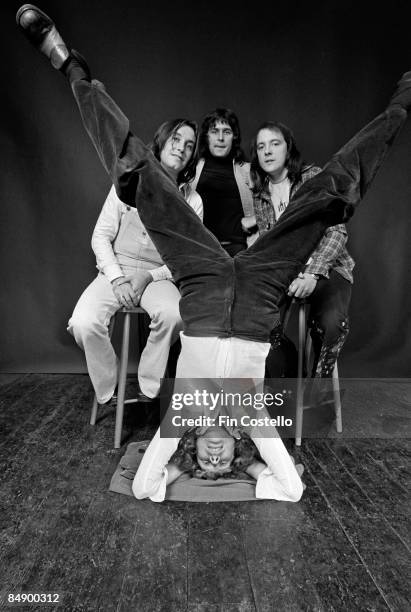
[[122, 379], [304, 356]]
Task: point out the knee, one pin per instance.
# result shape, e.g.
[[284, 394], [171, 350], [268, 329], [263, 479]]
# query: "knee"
[[167, 315], [330, 325], [82, 325]]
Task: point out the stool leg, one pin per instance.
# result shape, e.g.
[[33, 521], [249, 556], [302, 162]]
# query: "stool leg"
[[337, 398], [300, 381], [122, 381], [94, 411], [308, 349], [308, 381]]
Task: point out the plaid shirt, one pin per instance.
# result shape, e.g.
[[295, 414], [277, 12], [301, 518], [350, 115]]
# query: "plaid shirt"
[[331, 253]]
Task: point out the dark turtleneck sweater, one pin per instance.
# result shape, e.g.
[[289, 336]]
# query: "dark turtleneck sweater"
[[223, 210]]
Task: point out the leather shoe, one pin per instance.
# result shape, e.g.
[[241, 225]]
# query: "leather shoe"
[[42, 33]]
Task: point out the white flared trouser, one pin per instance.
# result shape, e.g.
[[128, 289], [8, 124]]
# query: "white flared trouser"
[[89, 326]]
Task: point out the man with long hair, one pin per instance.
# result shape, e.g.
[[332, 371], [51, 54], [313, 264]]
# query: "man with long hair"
[[132, 273], [223, 181], [278, 172]]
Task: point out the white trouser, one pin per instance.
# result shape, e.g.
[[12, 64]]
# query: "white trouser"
[[221, 358], [89, 326]]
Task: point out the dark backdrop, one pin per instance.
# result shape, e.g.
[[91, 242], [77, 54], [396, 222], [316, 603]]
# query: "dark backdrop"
[[324, 68]]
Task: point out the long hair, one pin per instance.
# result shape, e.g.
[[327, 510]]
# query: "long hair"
[[294, 162], [164, 132], [185, 457], [225, 115]]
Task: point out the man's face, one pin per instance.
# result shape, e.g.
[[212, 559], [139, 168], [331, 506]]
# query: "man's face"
[[178, 150], [215, 450], [271, 151], [220, 139]]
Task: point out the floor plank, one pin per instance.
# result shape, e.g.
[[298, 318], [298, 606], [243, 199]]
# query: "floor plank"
[[217, 568]]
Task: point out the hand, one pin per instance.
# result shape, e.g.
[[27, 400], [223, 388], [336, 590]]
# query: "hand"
[[173, 472], [139, 281], [255, 469], [124, 293], [302, 286], [249, 225]]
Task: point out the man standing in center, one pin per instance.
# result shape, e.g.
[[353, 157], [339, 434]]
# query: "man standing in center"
[[223, 181]]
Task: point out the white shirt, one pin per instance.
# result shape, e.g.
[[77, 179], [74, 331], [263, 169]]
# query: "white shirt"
[[280, 196], [107, 229]]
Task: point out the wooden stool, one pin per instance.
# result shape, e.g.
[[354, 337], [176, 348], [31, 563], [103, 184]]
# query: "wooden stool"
[[122, 378], [304, 355]]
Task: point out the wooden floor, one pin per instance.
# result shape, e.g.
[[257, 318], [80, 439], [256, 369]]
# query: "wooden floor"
[[345, 546]]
